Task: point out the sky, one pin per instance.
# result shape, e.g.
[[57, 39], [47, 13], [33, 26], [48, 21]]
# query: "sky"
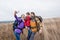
[[44, 8]]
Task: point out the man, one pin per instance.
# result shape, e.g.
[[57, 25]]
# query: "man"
[[34, 27]]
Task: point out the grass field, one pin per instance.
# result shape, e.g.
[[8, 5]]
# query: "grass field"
[[51, 31]]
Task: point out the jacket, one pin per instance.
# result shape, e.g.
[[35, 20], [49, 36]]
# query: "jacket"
[[34, 25], [27, 21], [20, 24]]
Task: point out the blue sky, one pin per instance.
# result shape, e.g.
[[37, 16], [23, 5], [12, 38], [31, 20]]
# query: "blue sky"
[[44, 8]]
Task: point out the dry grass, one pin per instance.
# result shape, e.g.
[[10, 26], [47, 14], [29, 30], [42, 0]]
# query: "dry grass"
[[51, 31]]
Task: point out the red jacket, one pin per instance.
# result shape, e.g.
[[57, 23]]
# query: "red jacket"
[[27, 21]]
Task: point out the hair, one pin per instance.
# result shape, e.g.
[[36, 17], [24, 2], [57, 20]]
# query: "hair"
[[40, 18], [28, 13], [33, 13], [22, 15]]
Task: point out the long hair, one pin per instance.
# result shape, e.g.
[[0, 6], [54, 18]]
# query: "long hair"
[[40, 18]]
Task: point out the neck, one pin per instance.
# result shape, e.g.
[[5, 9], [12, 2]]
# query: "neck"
[[22, 18]]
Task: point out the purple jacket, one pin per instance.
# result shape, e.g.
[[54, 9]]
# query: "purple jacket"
[[20, 24]]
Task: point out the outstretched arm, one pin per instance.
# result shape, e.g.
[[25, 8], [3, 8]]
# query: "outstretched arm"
[[15, 15], [17, 18]]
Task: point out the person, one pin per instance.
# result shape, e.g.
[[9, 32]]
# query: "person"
[[20, 25], [39, 23], [35, 25], [27, 20], [27, 24]]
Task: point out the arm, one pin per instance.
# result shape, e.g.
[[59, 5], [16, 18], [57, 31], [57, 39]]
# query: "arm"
[[25, 24], [18, 19], [41, 25], [15, 15], [41, 28]]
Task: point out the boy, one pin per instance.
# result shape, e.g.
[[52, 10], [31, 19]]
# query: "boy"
[[35, 24]]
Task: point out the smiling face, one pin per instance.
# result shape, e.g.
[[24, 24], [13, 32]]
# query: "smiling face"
[[32, 14], [23, 16], [37, 20]]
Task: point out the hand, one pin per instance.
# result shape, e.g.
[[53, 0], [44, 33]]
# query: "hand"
[[15, 12], [40, 31], [26, 27]]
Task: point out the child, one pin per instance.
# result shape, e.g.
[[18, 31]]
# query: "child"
[[27, 24], [27, 20]]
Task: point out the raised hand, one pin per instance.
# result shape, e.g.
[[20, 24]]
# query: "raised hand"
[[15, 12]]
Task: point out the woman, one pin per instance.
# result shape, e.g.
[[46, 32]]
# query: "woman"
[[20, 25], [39, 24]]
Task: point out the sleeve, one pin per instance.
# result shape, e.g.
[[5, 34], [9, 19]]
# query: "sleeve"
[[18, 19], [25, 23]]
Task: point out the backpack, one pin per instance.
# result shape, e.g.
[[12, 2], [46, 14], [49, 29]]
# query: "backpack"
[[15, 25]]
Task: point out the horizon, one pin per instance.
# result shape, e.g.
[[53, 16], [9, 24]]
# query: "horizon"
[[43, 19]]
